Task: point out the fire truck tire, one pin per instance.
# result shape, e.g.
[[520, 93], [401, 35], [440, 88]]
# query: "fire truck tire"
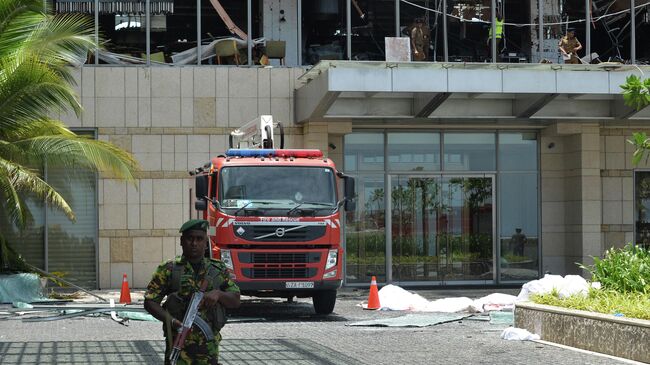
[[324, 301]]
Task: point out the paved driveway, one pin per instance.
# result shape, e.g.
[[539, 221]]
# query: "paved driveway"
[[266, 331]]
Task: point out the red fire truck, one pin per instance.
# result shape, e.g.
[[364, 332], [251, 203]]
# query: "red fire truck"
[[276, 215]]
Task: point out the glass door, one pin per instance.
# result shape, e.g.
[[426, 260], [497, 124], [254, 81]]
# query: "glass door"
[[442, 229], [415, 226]]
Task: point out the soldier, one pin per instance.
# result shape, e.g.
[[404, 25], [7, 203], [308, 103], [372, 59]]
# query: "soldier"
[[177, 280]]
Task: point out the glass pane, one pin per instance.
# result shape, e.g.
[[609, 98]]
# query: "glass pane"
[[364, 152], [323, 31], [420, 26], [28, 242], [71, 245], [442, 229], [519, 226], [414, 151], [469, 152], [416, 224], [365, 232], [518, 151], [642, 207], [372, 21], [466, 232]]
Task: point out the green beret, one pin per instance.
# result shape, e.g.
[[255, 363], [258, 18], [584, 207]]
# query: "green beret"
[[198, 224]]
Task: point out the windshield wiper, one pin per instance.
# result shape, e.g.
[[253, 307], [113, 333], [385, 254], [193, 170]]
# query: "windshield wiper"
[[314, 203], [249, 203]]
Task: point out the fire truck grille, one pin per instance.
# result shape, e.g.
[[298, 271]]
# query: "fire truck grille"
[[279, 273], [279, 257], [279, 233]]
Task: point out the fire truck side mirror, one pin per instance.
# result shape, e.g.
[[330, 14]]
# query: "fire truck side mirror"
[[349, 192], [201, 183]]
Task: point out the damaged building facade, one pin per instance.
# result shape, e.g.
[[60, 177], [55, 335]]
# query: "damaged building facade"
[[477, 165]]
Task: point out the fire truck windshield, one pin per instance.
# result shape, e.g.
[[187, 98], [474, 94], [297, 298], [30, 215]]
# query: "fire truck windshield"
[[274, 190]]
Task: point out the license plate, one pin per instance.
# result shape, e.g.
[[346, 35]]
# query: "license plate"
[[299, 284]]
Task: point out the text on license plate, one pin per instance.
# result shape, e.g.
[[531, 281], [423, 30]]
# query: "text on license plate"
[[299, 284]]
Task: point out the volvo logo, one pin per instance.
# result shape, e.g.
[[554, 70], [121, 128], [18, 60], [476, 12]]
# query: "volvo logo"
[[279, 232]]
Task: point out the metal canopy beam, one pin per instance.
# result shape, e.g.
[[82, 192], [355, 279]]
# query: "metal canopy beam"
[[324, 105], [622, 111], [526, 108], [432, 105]]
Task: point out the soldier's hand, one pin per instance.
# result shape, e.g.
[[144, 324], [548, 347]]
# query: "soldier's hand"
[[211, 298]]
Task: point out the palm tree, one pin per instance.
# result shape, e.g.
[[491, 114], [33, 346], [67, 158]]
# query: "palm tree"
[[37, 50]]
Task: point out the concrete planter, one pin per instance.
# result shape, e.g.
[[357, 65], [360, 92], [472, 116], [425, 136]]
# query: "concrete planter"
[[604, 333]]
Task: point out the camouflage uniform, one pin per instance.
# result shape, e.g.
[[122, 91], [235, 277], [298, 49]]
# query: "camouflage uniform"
[[197, 349]]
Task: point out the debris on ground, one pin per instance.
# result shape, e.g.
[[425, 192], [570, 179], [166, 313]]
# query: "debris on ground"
[[392, 297], [23, 287], [502, 318], [518, 334], [412, 320], [565, 286]]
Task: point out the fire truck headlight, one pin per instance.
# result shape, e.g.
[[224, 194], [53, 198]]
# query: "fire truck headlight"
[[227, 259], [332, 258], [330, 274]]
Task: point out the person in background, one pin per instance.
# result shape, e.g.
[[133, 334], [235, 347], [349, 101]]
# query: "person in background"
[[569, 46], [517, 242], [420, 36], [499, 35]]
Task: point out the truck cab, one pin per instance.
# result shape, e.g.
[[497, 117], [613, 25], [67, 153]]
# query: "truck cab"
[[276, 217]]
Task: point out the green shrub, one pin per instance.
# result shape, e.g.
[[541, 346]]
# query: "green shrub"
[[632, 305], [625, 270]]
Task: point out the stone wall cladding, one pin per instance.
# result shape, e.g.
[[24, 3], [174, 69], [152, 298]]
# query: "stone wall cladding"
[[617, 174], [622, 337], [172, 119]]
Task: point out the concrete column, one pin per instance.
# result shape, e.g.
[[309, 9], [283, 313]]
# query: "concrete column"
[[584, 198], [315, 136], [281, 22], [546, 48], [319, 135], [571, 196]]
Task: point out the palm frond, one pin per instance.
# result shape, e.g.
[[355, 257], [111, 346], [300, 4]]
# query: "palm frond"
[[17, 19], [16, 179], [30, 92], [36, 128], [14, 205], [80, 152], [63, 39]]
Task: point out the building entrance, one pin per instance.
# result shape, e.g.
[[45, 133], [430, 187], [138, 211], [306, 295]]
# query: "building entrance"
[[442, 229]]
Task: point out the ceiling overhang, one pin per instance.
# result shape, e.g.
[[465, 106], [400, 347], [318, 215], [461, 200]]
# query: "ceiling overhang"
[[436, 92]]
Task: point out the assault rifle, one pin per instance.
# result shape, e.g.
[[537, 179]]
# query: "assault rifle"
[[191, 318]]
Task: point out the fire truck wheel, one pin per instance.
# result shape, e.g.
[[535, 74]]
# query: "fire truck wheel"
[[324, 301]]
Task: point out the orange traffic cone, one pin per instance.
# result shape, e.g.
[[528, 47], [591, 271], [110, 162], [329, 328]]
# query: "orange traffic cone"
[[125, 294], [373, 298]]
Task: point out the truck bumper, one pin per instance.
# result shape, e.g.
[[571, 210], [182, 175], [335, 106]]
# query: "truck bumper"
[[279, 288]]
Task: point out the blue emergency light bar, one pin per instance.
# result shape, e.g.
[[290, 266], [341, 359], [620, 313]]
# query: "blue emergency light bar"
[[234, 152]]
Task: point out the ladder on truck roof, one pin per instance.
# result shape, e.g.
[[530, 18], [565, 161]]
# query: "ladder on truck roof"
[[258, 133]]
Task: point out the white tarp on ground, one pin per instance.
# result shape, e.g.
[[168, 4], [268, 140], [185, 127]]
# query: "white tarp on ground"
[[565, 286], [392, 297]]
